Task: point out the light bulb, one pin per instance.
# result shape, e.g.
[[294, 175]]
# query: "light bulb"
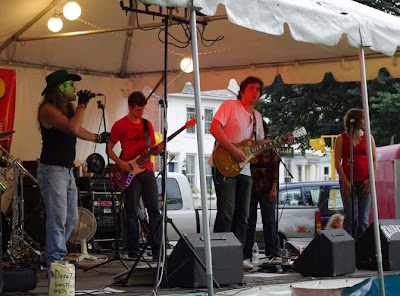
[[187, 65], [72, 11], [55, 24]]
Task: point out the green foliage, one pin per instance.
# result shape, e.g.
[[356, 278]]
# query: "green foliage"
[[320, 108], [389, 6]]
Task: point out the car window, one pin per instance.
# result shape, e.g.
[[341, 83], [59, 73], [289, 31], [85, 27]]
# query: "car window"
[[326, 197], [174, 197], [290, 197]]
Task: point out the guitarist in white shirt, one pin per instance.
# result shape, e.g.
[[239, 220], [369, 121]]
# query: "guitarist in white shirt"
[[130, 131], [233, 123]]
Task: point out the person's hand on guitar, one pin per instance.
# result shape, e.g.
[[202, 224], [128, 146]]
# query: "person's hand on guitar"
[[289, 138], [124, 165], [157, 149], [238, 154]]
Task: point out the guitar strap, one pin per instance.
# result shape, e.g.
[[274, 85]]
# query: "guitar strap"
[[254, 127], [146, 132]]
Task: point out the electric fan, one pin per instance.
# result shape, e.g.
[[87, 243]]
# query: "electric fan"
[[84, 229]]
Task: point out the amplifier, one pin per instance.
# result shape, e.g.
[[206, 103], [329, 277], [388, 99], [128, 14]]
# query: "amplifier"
[[102, 208]]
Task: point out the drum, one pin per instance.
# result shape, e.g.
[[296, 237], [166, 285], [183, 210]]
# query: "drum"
[[6, 187]]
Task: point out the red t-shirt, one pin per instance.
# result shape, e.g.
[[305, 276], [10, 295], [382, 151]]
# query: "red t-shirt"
[[360, 167], [133, 141]]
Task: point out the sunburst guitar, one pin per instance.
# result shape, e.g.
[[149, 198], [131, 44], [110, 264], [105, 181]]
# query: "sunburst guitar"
[[125, 179], [231, 167]]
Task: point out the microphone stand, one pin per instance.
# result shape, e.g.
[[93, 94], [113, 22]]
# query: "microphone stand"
[[277, 203], [284, 164], [117, 255], [352, 195]]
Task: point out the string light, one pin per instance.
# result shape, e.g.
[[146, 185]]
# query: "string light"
[[55, 24], [72, 10], [187, 65]]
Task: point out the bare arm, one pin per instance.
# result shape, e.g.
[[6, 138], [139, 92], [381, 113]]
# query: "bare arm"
[[339, 168], [51, 117], [84, 134], [366, 184], [218, 133], [121, 163]]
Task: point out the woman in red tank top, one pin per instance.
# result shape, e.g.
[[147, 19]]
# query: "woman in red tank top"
[[355, 221]]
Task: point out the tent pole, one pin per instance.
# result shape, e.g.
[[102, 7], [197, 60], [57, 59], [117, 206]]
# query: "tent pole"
[[371, 172], [200, 141]]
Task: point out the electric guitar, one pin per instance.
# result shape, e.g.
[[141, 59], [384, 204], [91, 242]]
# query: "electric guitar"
[[231, 167], [125, 179]]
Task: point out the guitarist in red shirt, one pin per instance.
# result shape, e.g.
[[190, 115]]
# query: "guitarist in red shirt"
[[136, 140]]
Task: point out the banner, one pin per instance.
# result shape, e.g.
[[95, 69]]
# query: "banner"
[[7, 105]]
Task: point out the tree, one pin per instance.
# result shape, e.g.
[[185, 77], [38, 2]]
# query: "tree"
[[389, 6], [320, 108]]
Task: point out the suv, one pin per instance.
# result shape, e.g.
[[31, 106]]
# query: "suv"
[[325, 195]]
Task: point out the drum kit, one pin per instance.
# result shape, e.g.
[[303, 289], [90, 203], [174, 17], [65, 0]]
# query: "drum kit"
[[18, 247]]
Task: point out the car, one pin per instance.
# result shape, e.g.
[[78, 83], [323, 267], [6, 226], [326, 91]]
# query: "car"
[[324, 194]]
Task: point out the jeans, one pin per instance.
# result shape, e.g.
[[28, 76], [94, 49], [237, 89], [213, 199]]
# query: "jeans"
[[57, 186], [233, 201], [144, 185], [268, 210], [357, 224]]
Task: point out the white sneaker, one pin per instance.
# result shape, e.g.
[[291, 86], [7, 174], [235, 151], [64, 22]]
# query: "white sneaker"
[[247, 265]]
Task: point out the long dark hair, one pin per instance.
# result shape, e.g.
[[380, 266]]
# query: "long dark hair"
[[55, 97]]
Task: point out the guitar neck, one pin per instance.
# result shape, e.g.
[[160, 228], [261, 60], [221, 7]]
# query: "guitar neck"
[[146, 155], [269, 144]]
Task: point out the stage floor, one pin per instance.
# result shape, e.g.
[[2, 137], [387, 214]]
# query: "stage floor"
[[257, 281]]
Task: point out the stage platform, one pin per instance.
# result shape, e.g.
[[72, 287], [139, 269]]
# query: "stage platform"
[[257, 282]]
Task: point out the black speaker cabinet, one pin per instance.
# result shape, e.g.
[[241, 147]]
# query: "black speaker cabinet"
[[331, 253], [19, 280], [183, 270], [390, 246]]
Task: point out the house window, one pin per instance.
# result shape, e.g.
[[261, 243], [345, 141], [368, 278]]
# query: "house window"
[[209, 182], [173, 161], [326, 170], [208, 116], [190, 113], [326, 174], [191, 169]]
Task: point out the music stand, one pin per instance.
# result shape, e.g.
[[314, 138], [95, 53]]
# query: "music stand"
[[117, 254]]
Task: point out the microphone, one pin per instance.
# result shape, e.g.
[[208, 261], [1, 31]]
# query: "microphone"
[[352, 120], [92, 95]]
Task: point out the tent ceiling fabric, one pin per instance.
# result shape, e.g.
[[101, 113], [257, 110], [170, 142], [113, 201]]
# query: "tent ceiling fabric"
[[301, 40]]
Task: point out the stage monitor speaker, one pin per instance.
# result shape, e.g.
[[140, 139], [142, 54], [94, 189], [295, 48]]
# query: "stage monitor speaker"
[[330, 253], [19, 280], [183, 270], [390, 246]]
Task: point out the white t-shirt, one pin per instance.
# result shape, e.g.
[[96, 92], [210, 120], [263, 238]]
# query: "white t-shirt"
[[238, 125]]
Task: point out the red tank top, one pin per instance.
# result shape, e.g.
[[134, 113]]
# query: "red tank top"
[[360, 168]]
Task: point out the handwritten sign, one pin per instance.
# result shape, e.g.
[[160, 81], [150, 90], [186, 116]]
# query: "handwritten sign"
[[62, 281]]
